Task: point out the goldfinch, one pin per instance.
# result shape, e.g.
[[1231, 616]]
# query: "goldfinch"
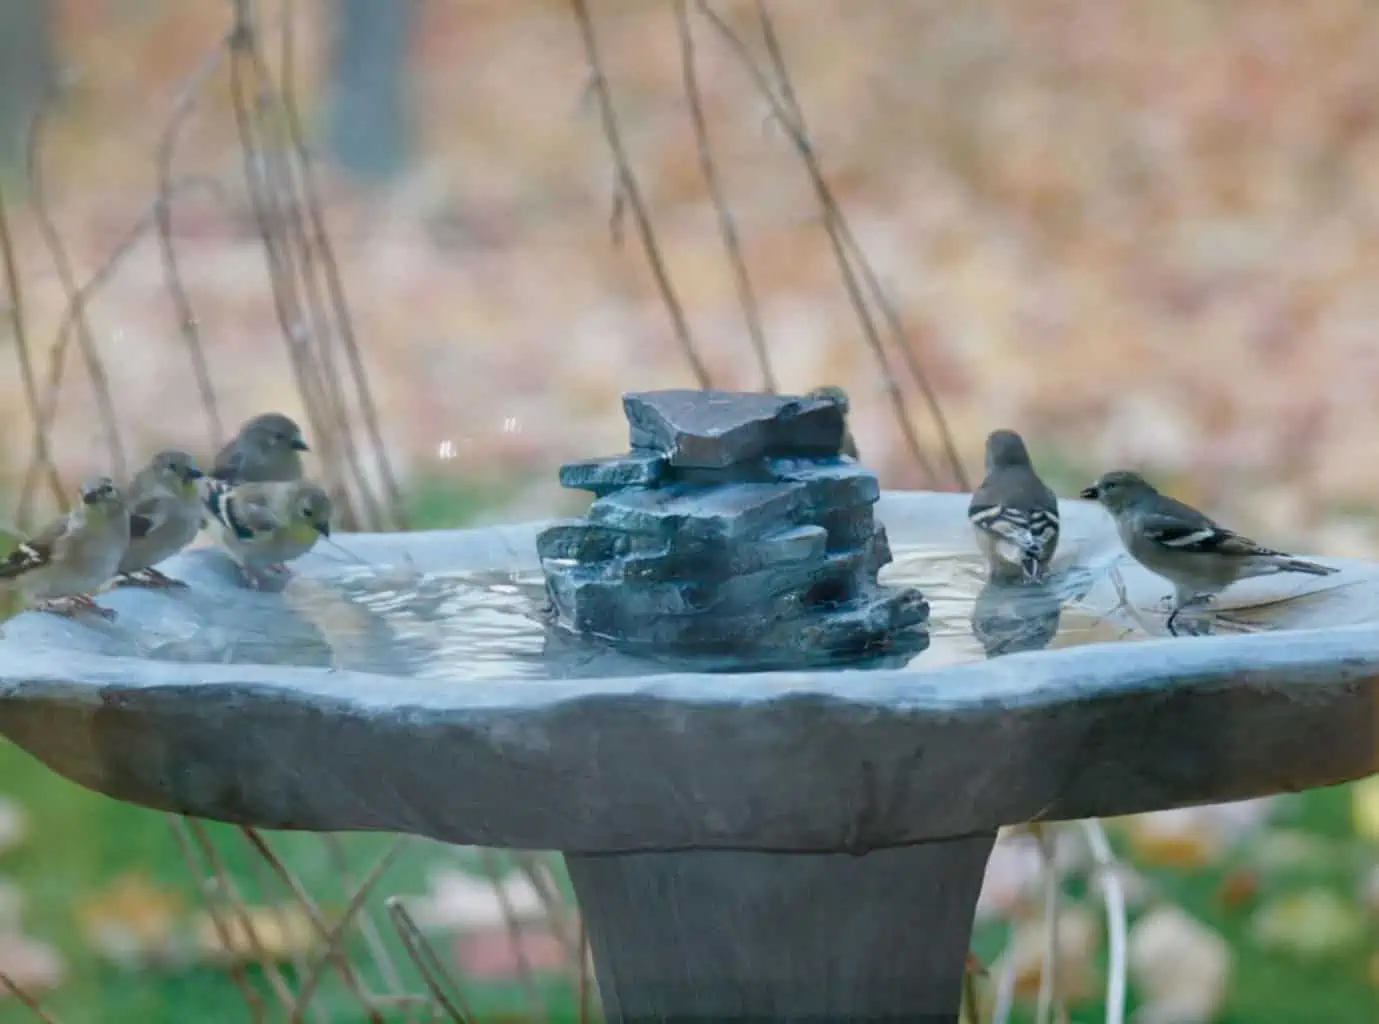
[[839, 397], [165, 515], [1013, 514], [76, 554], [1173, 540], [262, 526], [266, 448]]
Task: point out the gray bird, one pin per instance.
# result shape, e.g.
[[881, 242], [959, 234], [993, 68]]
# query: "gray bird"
[[1013, 513], [262, 526], [165, 515], [59, 568], [266, 448], [839, 397], [1197, 555]]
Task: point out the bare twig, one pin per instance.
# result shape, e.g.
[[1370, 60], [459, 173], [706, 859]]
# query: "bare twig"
[[585, 981], [320, 237], [632, 192], [834, 211], [221, 884], [336, 933], [68, 325], [100, 383], [433, 972], [727, 225], [514, 930], [1048, 968], [15, 989], [845, 249], [187, 96], [378, 949], [42, 450], [313, 913], [1113, 894]]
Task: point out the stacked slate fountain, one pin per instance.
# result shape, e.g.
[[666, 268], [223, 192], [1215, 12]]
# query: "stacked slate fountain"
[[732, 529]]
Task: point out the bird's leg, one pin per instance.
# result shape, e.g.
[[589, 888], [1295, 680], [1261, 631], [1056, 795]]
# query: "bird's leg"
[[151, 578], [57, 606], [1181, 603], [85, 603]]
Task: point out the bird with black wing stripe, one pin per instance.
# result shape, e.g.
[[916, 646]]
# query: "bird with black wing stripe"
[[1013, 513], [1198, 556], [76, 554]]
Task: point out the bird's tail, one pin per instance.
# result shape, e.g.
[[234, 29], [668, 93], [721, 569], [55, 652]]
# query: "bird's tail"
[[1299, 565]]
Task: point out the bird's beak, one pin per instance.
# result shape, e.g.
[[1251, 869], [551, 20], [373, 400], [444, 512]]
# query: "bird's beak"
[[298, 445], [324, 529], [1090, 493], [90, 498]]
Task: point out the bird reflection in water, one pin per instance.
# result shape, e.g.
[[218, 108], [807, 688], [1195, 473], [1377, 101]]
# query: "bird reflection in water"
[[1010, 617]]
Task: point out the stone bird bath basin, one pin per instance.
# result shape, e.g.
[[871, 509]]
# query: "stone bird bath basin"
[[777, 845]]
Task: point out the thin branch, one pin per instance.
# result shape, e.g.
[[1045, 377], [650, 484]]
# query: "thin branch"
[[1113, 894], [42, 450], [336, 933], [727, 225], [514, 930], [187, 323], [1048, 968], [105, 406], [313, 913], [320, 237], [378, 949], [633, 193], [585, 981], [68, 325], [32, 1004], [221, 883], [878, 294], [433, 972]]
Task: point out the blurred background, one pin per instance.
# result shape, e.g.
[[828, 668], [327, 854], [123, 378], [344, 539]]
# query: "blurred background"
[[1146, 236]]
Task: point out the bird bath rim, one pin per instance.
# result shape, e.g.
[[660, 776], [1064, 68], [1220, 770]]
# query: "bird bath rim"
[[813, 761]]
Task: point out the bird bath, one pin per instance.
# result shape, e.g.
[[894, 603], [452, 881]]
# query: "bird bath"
[[777, 845]]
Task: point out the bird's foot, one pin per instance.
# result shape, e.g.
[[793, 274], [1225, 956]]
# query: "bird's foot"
[[68, 607], [150, 578], [280, 568], [1193, 625]]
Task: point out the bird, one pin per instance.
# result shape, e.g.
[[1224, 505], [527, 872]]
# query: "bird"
[[1171, 539], [1013, 513], [264, 525], [165, 514], [75, 554], [267, 448], [839, 397]]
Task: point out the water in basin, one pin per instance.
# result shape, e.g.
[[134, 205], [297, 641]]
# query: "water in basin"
[[486, 626]]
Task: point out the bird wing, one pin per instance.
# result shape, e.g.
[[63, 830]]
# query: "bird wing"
[[246, 511], [147, 515], [1020, 510], [37, 551], [1196, 534], [229, 463]]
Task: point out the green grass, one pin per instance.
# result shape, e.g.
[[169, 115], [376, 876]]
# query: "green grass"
[[1268, 987], [81, 842]]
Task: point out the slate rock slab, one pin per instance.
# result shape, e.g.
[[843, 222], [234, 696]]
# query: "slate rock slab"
[[734, 528], [717, 429]]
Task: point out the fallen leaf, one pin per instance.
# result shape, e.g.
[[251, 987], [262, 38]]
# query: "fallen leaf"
[[133, 922], [34, 966], [14, 824], [1310, 924], [1079, 935], [1180, 967], [493, 954], [1238, 888], [1364, 808], [458, 902], [255, 934]]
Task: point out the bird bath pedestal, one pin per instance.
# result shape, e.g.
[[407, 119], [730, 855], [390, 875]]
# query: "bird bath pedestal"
[[771, 846]]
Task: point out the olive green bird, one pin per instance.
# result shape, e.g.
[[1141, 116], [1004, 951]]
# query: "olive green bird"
[[263, 526], [165, 515], [76, 554], [267, 448]]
